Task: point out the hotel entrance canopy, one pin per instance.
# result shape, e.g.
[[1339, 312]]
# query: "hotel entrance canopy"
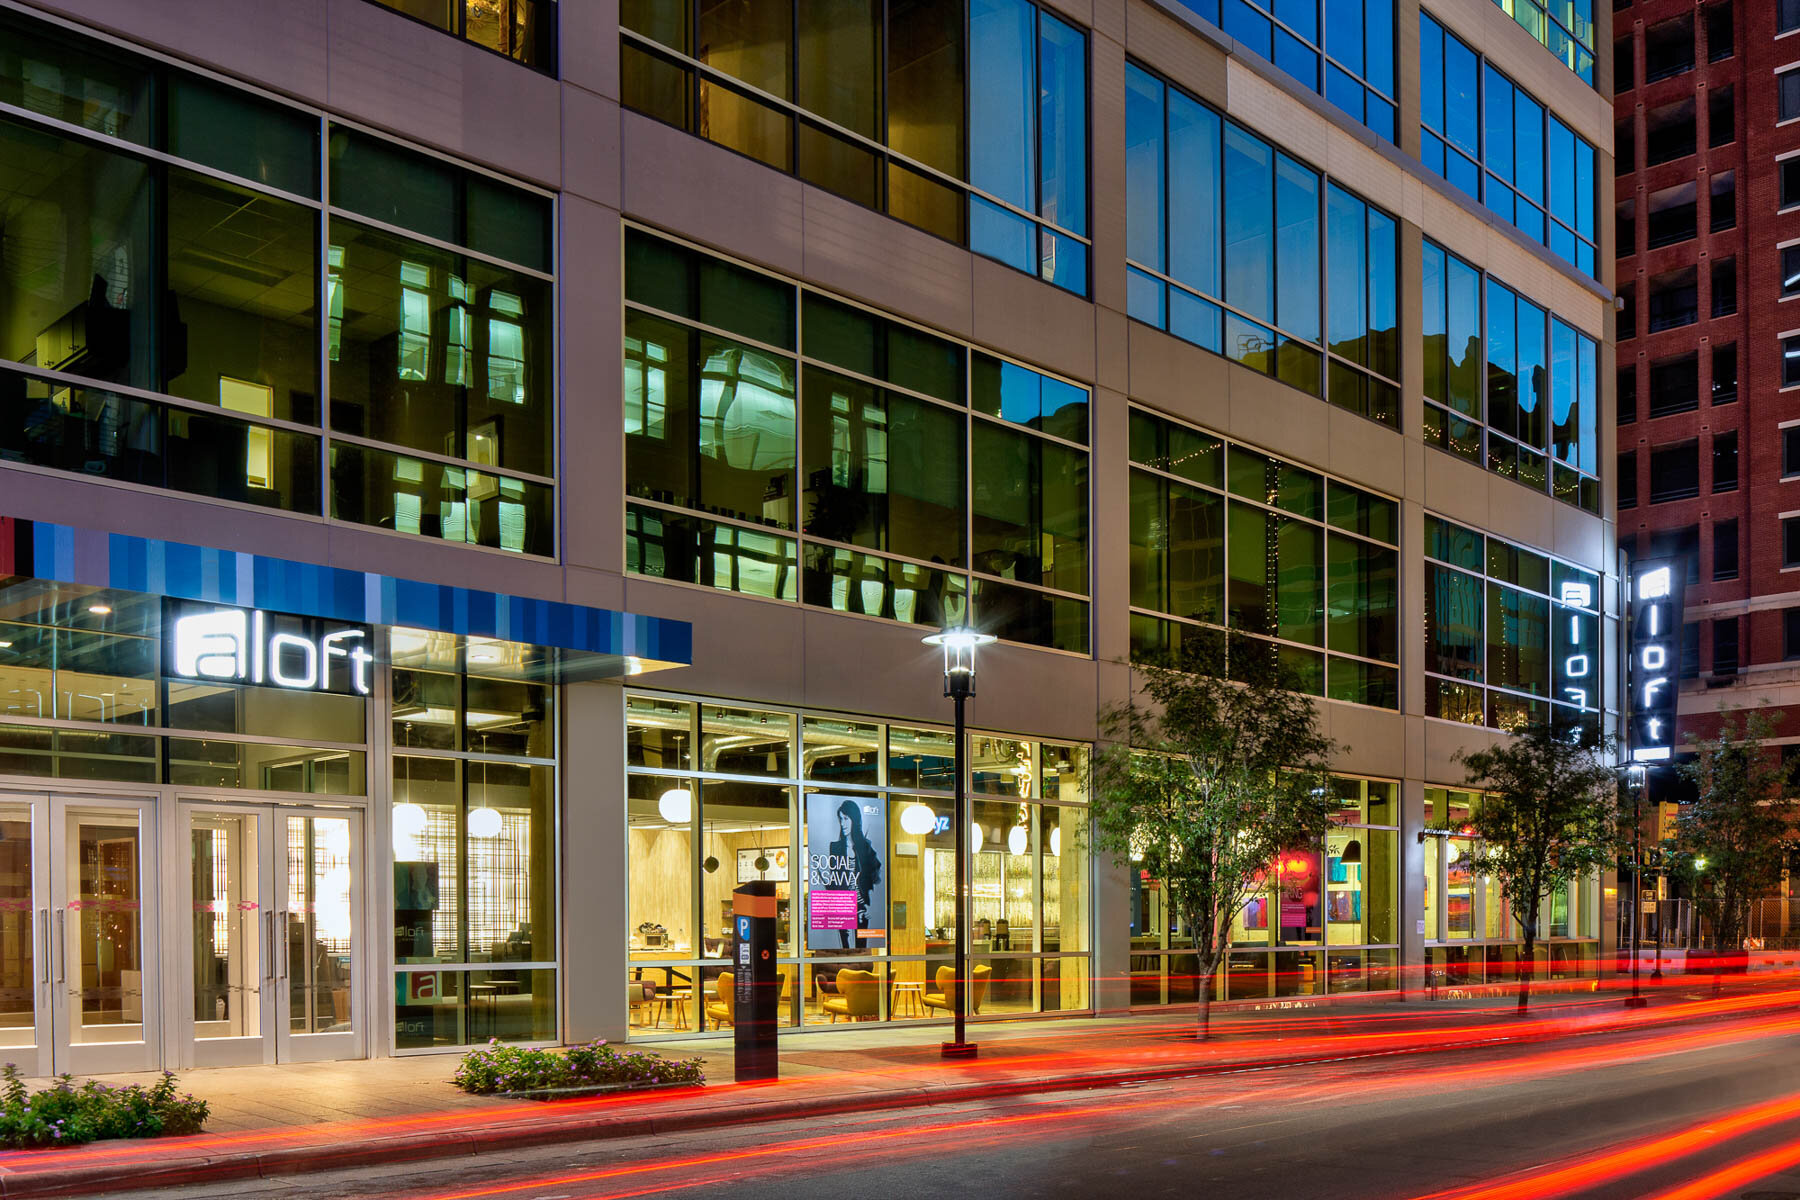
[[46, 567]]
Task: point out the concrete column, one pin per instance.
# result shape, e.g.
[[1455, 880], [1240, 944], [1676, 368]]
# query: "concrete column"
[[593, 867], [1412, 884]]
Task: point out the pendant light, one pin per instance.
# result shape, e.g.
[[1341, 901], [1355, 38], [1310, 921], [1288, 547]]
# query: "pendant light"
[[484, 822]]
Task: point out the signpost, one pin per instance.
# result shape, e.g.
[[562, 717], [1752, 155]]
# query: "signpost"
[[756, 986]]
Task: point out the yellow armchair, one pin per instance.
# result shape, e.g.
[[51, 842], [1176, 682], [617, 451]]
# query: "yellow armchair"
[[858, 996], [718, 1009], [945, 996]]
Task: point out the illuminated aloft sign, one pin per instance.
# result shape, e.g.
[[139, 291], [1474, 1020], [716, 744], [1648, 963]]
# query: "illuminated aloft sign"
[[1655, 669], [244, 645]]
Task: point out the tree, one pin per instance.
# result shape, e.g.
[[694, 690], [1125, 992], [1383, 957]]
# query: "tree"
[[1208, 780], [1732, 833], [1549, 816]]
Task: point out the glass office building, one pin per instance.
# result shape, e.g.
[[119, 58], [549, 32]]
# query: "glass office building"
[[455, 532]]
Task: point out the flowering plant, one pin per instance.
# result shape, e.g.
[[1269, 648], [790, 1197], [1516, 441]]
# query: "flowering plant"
[[500, 1068], [67, 1115]]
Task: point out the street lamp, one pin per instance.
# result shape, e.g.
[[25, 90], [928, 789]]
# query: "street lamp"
[[959, 643], [1635, 776]]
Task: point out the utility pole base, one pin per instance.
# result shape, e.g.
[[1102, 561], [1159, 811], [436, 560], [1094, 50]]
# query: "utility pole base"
[[959, 1049], [1636, 1001]]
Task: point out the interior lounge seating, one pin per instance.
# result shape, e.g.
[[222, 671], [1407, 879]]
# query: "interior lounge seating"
[[945, 997], [858, 996]]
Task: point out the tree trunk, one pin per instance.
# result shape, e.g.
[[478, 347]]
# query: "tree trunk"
[[1528, 966], [1203, 1027]]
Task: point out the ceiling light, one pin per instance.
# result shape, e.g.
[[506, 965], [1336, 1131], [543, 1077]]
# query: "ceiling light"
[[1056, 841], [100, 610], [1017, 840], [5, 645], [484, 822]]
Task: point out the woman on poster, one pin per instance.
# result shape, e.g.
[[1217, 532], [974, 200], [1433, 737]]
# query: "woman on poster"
[[862, 861]]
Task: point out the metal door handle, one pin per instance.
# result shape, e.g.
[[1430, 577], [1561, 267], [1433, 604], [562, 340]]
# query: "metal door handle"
[[281, 921], [267, 958], [56, 956], [43, 947]]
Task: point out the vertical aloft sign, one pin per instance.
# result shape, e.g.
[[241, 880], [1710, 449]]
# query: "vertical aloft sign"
[[1654, 671]]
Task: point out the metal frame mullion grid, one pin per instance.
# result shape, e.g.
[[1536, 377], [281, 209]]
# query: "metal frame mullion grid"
[[797, 785], [797, 535], [695, 70], [1326, 182]]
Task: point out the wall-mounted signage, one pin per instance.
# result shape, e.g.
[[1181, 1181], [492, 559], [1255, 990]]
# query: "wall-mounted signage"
[[846, 881], [1654, 672], [248, 645], [1576, 636]]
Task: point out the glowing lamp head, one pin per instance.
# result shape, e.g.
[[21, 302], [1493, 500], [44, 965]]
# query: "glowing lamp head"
[[1017, 840], [917, 820], [409, 819], [1056, 842], [959, 643], [484, 822], [976, 837], [676, 806]]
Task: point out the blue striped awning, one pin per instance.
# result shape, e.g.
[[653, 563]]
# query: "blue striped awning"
[[94, 558]]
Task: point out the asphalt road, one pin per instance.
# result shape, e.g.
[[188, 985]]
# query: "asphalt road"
[[1638, 1115]]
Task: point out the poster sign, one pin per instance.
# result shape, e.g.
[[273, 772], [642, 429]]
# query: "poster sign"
[[1657, 585], [846, 877]]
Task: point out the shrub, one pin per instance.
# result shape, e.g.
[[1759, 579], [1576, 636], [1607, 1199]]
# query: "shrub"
[[66, 1115], [498, 1068]]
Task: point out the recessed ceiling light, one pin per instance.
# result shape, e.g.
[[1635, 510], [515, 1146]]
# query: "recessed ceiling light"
[[5, 645], [100, 610]]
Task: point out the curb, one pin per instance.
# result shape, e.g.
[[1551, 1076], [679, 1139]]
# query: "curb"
[[546, 1131]]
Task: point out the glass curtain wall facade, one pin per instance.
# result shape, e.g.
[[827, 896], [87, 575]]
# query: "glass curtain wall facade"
[[1512, 636], [1498, 144], [785, 444], [474, 823], [1327, 923], [216, 294], [1223, 536], [1470, 934], [1246, 252], [86, 694], [878, 104], [1509, 383], [522, 30], [1341, 49], [718, 794], [1565, 27]]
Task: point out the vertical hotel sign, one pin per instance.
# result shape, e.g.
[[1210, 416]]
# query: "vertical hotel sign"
[[1655, 672]]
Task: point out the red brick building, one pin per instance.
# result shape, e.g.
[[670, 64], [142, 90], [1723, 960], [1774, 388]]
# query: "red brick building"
[[1708, 110]]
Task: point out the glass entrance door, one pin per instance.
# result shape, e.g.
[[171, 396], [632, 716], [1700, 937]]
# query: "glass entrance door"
[[275, 933], [76, 935], [101, 1013]]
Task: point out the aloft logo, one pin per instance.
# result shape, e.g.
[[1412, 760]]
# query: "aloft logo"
[[235, 645]]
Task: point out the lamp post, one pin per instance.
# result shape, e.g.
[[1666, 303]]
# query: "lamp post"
[[959, 643], [1634, 783]]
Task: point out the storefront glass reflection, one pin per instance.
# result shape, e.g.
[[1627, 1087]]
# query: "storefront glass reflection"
[[745, 807]]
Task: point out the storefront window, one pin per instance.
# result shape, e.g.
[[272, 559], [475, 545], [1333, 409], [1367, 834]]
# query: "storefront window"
[[474, 839], [865, 875]]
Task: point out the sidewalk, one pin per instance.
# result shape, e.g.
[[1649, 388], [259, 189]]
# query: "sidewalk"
[[327, 1116]]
